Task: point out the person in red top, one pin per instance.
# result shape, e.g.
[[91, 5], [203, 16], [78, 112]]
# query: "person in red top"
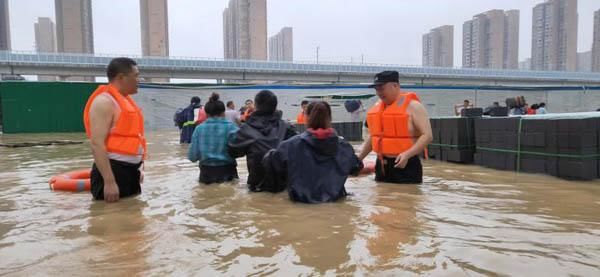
[[301, 118], [115, 126], [531, 110]]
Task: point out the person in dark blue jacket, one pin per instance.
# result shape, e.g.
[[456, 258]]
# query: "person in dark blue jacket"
[[190, 117], [316, 163]]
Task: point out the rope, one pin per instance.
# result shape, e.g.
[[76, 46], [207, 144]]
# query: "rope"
[[453, 145], [553, 155]]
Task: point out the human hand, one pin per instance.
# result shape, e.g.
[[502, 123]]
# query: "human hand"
[[401, 161], [111, 192]]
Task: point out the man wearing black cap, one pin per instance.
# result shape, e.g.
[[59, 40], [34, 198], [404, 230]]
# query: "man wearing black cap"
[[399, 130]]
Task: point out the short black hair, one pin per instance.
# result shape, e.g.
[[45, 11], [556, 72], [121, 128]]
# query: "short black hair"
[[119, 65], [542, 105], [265, 101], [304, 102], [195, 100], [229, 103]]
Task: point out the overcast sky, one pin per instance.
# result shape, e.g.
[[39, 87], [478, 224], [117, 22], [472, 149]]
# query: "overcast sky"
[[384, 31]]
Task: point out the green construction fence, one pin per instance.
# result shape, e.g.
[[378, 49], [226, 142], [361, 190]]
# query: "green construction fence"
[[43, 107]]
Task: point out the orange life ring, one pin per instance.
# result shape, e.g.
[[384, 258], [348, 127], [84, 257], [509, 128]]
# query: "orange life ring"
[[75, 181], [369, 167]]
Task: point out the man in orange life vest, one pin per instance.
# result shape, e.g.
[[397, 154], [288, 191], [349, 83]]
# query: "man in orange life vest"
[[115, 126], [399, 130], [301, 118]]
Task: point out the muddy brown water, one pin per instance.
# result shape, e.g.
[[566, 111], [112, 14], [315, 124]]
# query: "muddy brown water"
[[463, 220]]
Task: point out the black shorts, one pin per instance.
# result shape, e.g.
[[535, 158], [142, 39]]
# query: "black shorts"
[[127, 176], [411, 174], [218, 174]]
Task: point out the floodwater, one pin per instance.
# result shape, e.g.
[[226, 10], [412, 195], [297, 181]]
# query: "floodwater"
[[463, 220]]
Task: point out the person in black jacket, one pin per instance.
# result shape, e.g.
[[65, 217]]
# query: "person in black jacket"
[[261, 132], [316, 163]]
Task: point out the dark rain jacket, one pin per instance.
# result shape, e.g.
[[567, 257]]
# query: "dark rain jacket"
[[259, 134], [315, 170]]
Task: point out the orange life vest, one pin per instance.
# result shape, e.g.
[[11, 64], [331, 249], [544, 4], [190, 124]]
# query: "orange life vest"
[[247, 114], [301, 118], [388, 126], [127, 135]]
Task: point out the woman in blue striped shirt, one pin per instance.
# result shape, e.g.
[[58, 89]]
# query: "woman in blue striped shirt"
[[209, 144]]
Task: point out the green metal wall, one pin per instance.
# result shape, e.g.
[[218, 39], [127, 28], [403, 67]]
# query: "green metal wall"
[[43, 107]]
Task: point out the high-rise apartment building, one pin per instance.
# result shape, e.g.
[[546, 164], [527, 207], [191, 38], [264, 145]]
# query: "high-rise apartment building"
[[438, 47]]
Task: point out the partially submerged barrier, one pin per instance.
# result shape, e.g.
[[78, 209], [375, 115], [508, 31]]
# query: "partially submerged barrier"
[[561, 145]]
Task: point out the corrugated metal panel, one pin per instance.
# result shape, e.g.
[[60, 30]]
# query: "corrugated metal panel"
[[43, 107]]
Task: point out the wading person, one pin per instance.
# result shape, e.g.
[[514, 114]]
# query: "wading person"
[[115, 126], [316, 163], [263, 130], [209, 144], [399, 130]]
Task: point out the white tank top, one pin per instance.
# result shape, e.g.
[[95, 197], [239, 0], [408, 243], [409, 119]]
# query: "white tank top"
[[133, 159]]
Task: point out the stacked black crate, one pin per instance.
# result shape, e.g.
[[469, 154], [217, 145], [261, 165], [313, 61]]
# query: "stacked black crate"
[[552, 137], [598, 142], [351, 131], [457, 139], [434, 148], [577, 148], [483, 137], [496, 140], [536, 137]]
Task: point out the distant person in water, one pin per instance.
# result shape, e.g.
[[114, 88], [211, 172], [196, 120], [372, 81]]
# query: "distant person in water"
[[301, 118], [209, 145], [231, 114]]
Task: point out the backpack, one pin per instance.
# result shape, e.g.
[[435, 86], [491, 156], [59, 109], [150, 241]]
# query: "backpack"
[[179, 117], [351, 105]]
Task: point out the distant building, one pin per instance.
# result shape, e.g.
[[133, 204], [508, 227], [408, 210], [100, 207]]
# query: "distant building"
[[74, 29], [596, 43], [154, 17], [281, 45], [554, 36], [584, 61], [4, 26], [491, 40], [45, 40], [245, 30], [438, 47], [525, 65]]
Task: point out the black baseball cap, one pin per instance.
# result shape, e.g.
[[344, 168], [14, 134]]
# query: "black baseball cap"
[[386, 77]]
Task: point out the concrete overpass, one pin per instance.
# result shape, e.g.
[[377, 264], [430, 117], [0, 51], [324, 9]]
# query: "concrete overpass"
[[68, 64]]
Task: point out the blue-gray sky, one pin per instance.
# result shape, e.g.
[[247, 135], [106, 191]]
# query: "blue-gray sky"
[[384, 31]]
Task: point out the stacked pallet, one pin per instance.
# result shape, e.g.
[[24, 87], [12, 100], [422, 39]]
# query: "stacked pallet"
[[453, 139], [563, 146]]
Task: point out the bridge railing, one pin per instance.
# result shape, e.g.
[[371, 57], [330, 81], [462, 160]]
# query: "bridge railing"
[[188, 63]]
